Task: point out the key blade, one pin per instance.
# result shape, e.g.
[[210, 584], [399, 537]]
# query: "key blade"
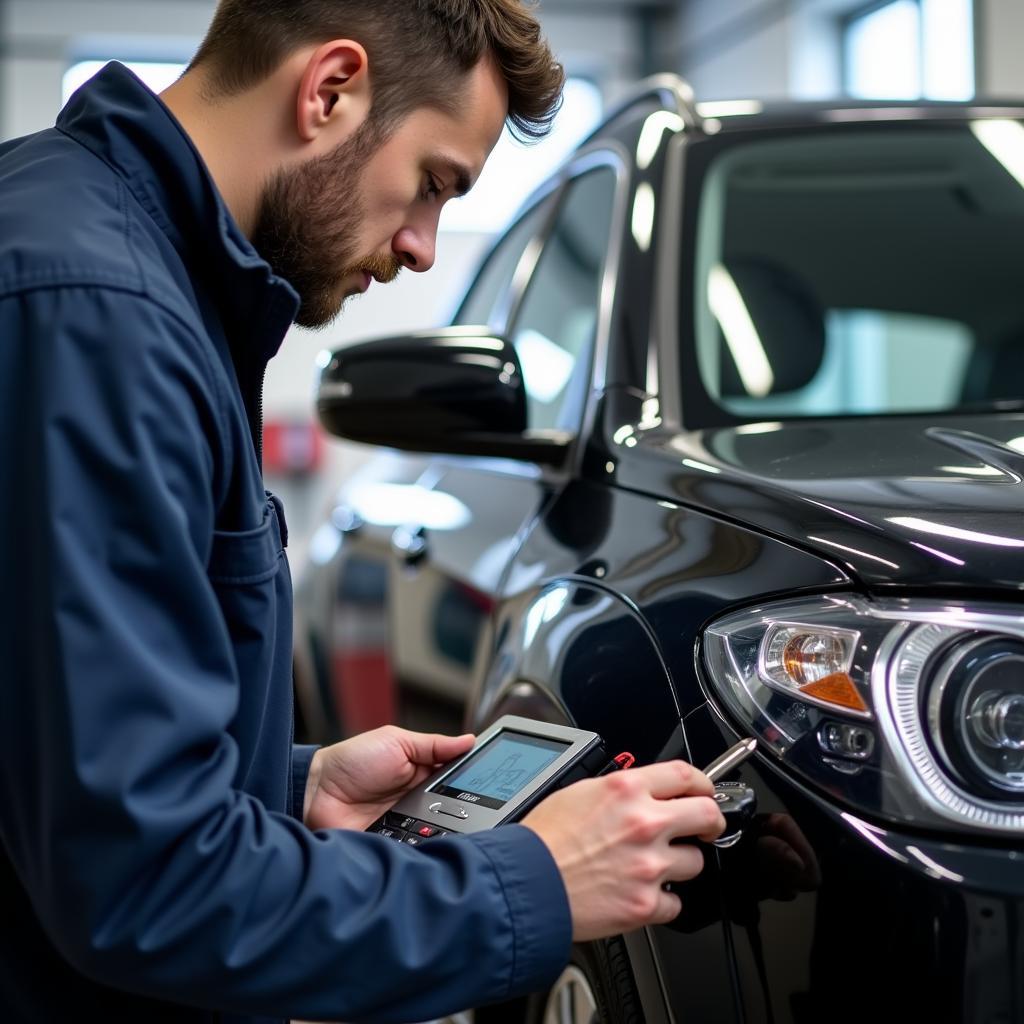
[[733, 757]]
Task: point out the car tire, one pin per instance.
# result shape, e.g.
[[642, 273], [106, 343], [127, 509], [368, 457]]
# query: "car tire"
[[596, 986]]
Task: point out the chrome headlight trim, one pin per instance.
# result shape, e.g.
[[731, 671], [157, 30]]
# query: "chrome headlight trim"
[[896, 689], [907, 645]]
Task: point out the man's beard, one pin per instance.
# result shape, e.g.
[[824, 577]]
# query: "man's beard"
[[308, 222]]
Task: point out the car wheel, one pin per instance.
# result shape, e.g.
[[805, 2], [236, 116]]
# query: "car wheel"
[[597, 987]]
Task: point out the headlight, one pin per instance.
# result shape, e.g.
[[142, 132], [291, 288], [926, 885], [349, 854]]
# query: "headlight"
[[908, 710], [976, 713]]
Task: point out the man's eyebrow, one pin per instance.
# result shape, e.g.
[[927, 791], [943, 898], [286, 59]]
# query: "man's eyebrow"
[[463, 178]]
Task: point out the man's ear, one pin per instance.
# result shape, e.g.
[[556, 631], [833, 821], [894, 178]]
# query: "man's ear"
[[334, 92]]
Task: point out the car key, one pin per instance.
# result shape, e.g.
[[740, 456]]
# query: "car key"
[[738, 804], [732, 758], [736, 801]]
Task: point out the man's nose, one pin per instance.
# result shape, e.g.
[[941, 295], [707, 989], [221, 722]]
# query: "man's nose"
[[416, 248]]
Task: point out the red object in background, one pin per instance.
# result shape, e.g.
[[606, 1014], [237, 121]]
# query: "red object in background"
[[292, 447], [363, 690]]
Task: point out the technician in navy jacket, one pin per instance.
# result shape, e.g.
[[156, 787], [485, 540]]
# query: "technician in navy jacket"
[[167, 854]]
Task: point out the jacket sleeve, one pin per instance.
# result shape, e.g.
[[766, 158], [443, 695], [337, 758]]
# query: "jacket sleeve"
[[147, 870], [302, 759]]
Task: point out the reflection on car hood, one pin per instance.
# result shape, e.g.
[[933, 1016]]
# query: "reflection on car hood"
[[896, 500]]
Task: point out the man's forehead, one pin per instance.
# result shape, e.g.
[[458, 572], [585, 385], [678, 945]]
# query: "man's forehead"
[[460, 138], [481, 115]]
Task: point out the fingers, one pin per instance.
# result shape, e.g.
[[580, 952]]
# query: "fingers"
[[672, 778], [683, 863], [432, 749], [669, 816], [696, 816], [668, 908]]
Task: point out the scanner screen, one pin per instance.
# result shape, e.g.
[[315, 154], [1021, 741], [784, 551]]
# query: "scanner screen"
[[500, 769]]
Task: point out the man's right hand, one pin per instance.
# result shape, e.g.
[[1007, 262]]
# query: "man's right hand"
[[611, 839]]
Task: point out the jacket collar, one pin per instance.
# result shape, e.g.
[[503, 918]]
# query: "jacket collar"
[[120, 120]]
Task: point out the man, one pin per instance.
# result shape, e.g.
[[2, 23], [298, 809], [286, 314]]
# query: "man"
[[167, 853]]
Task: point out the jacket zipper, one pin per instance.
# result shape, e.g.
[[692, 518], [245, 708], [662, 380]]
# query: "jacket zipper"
[[258, 437]]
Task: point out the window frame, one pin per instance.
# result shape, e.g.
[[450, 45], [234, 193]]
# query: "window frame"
[[603, 153], [507, 295], [686, 404], [582, 169]]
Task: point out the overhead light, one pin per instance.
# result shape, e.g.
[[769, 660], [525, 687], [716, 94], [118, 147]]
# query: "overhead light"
[[973, 470], [387, 504], [1004, 139], [741, 335], [651, 134], [729, 108], [853, 551], [937, 553], [546, 608], [643, 216], [702, 466], [758, 428], [944, 530]]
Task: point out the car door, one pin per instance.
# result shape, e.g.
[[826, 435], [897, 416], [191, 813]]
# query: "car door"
[[569, 643], [446, 574]]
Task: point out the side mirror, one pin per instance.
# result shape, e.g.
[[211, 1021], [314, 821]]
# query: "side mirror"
[[456, 390]]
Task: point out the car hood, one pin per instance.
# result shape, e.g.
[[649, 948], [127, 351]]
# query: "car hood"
[[896, 501]]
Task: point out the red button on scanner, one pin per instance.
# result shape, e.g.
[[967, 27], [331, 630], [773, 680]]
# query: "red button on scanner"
[[426, 831]]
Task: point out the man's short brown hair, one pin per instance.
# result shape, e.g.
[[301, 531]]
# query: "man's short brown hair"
[[419, 51]]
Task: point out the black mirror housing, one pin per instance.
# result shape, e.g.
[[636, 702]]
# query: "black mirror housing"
[[457, 390]]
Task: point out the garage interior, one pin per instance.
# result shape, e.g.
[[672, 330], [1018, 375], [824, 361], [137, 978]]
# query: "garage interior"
[[740, 50], [735, 54]]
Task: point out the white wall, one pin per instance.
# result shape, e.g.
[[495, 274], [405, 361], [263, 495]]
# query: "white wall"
[[1000, 26], [768, 49], [732, 50]]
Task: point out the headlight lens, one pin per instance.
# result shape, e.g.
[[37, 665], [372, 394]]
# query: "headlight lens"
[[812, 662], [976, 703], [912, 711]]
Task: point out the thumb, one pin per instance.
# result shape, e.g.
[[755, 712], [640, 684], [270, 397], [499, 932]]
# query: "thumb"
[[432, 748]]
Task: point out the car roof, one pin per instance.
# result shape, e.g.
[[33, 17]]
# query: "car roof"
[[673, 94], [794, 113]]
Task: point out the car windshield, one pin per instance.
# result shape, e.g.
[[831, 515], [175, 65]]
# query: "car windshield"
[[863, 271]]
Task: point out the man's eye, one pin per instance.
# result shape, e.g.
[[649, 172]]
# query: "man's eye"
[[433, 188]]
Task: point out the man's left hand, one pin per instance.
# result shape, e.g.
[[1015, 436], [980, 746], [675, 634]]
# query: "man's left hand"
[[352, 783]]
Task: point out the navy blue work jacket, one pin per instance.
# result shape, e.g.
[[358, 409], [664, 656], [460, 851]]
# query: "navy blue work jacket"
[[153, 863]]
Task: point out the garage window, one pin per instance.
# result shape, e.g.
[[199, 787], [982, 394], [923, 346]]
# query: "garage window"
[[909, 49]]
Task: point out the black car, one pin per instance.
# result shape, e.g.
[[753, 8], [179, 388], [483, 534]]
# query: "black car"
[[727, 441]]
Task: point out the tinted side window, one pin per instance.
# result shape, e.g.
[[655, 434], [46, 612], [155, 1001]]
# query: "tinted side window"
[[556, 324], [487, 291]]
